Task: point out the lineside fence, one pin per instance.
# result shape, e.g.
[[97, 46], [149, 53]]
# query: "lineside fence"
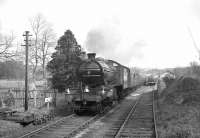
[[15, 98], [36, 98]]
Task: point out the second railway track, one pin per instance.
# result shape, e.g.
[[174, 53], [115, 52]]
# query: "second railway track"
[[63, 128], [140, 121], [134, 118]]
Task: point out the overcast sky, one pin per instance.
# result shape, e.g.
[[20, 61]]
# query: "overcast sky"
[[142, 33]]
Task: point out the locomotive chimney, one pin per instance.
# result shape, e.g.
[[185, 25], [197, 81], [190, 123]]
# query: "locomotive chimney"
[[91, 56]]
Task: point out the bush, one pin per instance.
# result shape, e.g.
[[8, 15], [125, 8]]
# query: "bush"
[[168, 81]]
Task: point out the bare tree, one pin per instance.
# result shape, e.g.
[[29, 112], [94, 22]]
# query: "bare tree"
[[37, 24], [43, 38], [6, 45], [48, 42], [194, 42]]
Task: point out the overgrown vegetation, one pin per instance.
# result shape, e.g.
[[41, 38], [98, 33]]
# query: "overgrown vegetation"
[[177, 121], [179, 104]]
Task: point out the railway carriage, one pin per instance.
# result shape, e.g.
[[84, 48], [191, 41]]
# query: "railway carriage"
[[102, 82]]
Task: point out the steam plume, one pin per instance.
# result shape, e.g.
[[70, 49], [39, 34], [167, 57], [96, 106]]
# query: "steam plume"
[[103, 41], [108, 42]]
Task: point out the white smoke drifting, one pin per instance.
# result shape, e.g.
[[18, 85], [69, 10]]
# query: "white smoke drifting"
[[107, 41]]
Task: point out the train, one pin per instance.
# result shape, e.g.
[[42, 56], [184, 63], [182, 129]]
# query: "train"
[[150, 81], [102, 83]]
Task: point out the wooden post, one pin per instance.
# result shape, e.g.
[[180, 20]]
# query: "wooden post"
[[47, 105], [35, 98], [55, 96], [26, 69]]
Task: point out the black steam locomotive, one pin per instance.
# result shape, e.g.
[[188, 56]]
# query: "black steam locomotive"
[[102, 82]]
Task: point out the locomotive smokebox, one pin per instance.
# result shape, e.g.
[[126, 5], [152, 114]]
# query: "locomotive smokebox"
[[91, 56]]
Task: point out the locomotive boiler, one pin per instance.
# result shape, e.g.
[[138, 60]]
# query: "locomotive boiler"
[[102, 82]]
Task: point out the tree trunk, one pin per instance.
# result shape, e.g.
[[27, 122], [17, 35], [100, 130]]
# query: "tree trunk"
[[43, 68]]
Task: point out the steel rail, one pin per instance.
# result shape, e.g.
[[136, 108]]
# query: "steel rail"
[[75, 130], [154, 115], [45, 127], [82, 126], [101, 116], [70, 134], [127, 118]]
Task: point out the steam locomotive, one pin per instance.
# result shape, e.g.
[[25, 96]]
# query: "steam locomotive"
[[102, 82]]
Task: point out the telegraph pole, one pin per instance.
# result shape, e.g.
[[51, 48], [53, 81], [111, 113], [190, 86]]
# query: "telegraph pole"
[[26, 69]]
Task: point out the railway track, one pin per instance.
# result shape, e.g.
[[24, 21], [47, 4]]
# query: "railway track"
[[134, 118], [63, 128], [140, 121]]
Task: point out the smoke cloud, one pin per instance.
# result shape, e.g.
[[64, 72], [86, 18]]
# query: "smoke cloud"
[[1, 2], [196, 7], [137, 49], [103, 40], [132, 51], [107, 41]]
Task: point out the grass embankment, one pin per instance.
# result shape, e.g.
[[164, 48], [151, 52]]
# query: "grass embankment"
[[179, 109]]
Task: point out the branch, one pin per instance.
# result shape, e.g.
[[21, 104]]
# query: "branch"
[[194, 42], [7, 43]]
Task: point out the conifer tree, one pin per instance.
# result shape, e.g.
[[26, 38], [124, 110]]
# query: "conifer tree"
[[65, 62]]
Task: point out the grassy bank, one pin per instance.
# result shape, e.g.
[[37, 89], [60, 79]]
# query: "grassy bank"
[[179, 110]]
